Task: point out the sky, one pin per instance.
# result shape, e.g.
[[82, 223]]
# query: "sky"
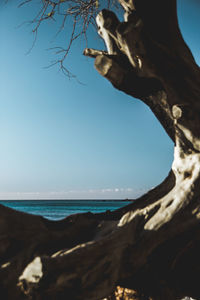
[[60, 139]]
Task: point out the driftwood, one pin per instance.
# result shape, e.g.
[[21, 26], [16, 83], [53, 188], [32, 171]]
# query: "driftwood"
[[152, 245]]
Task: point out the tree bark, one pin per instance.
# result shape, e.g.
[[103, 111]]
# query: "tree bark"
[[152, 245]]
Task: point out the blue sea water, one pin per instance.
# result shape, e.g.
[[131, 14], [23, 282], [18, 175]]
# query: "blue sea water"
[[59, 209]]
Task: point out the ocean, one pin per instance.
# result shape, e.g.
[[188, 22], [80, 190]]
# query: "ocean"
[[59, 209]]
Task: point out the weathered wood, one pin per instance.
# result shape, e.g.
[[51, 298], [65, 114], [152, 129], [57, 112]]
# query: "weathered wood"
[[153, 244]]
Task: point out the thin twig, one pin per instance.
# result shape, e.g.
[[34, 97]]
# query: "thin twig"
[[82, 14]]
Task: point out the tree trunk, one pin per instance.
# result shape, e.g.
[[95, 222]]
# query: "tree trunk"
[[153, 244]]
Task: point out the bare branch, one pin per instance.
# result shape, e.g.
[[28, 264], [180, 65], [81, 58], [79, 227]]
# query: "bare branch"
[[93, 52], [82, 13]]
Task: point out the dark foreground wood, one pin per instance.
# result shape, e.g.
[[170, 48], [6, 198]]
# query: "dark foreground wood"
[[86, 256]]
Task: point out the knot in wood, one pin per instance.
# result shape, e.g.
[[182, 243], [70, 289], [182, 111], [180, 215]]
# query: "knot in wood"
[[176, 112]]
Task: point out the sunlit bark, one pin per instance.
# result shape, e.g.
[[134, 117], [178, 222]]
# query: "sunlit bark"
[[152, 245]]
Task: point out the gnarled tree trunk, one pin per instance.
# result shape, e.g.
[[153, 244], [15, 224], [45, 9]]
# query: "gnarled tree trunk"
[[152, 245]]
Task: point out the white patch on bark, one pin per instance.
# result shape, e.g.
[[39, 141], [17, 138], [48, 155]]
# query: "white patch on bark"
[[5, 265], [33, 272], [188, 298], [125, 219], [191, 137], [65, 252], [127, 5], [186, 169], [104, 34]]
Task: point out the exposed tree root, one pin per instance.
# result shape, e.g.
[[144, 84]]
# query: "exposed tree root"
[[151, 246]]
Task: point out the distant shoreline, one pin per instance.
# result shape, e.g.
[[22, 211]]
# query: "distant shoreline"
[[102, 200]]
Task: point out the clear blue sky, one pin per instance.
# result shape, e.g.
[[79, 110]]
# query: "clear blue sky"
[[63, 140]]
